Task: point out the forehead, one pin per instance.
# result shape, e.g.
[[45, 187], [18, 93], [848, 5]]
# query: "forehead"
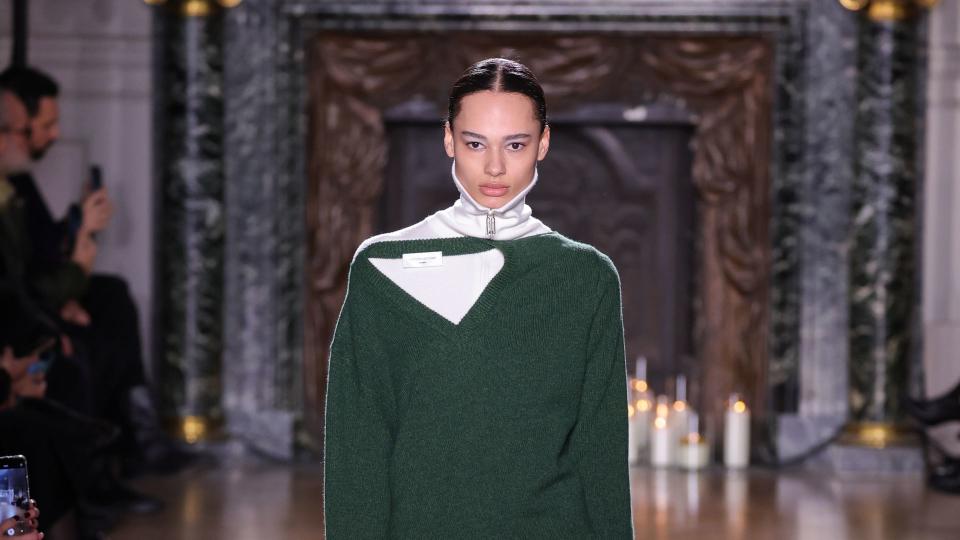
[[497, 110]]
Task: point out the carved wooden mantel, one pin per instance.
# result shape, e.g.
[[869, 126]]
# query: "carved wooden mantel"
[[725, 81]]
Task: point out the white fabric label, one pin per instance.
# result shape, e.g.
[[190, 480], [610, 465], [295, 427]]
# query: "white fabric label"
[[423, 260]]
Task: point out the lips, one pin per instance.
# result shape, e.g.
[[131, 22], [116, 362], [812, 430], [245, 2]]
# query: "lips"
[[494, 189]]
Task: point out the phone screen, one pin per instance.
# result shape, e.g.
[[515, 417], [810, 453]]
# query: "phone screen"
[[96, 178], [14, 485]]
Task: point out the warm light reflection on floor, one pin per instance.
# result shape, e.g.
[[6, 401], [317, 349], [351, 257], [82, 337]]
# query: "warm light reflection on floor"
[[270, 501]]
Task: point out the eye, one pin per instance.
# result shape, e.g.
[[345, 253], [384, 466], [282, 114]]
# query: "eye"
[[515, 146], [474, 145]]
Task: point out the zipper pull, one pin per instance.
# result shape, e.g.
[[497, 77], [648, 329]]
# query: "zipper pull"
[[491, 225]]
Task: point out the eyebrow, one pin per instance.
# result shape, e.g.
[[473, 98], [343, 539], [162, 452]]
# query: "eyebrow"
[[513, 137]]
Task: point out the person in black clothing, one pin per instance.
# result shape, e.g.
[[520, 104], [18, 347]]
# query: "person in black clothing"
[[105, 316], [64, 439]]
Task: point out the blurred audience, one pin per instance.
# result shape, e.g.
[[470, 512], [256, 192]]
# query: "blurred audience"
[[102, 315], [73, 395]]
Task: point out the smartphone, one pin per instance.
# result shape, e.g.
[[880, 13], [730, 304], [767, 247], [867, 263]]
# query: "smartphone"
[[14, 486], [96, 178], [43, 363]]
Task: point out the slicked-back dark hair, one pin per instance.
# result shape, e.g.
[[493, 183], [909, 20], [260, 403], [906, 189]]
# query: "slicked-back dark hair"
[[29, 85], [498, 75]]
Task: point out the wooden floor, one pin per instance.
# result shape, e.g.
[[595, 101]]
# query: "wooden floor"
[[267, 501]]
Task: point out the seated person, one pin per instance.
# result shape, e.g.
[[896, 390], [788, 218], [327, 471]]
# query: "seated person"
[[101, 313]]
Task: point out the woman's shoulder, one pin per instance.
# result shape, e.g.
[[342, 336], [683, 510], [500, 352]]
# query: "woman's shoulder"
[[577, 253]]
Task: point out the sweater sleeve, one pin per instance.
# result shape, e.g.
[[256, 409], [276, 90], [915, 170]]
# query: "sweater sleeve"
[[357, 441], [599, 439]]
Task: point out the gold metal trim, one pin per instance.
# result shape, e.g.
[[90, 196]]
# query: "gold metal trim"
[[194, 429], [889, 10], [877, 435], [854, 5], [195, 8]]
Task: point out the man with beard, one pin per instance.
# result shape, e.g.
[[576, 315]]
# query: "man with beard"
[[105, 316]]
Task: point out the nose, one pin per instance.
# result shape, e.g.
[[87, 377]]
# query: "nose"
[[495, 165]]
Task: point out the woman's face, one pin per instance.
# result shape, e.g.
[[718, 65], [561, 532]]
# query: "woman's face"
[[496, 142]]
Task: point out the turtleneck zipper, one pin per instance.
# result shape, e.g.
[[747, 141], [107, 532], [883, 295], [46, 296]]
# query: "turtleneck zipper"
[[491, 225]]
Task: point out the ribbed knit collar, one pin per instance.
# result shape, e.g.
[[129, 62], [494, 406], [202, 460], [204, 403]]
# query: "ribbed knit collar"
[[467, 217]]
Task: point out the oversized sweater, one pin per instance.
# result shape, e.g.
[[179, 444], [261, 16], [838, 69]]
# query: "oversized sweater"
[[509, 424]]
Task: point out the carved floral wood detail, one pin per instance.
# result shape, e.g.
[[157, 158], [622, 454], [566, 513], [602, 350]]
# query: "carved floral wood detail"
[[725, 81]]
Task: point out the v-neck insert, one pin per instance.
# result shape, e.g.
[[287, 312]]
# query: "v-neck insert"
[[402, 300], [452, 286]]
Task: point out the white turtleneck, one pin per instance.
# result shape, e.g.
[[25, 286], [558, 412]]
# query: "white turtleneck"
[[452, 288]]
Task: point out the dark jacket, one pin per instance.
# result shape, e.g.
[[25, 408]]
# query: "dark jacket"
[[31, 293], [50, 239]]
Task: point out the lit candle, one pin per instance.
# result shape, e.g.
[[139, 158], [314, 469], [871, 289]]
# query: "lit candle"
[[633, 443], [643, 420], [694, 452], [679, 415], [736, 435], [661, 447], [660, 443], [639, 382]]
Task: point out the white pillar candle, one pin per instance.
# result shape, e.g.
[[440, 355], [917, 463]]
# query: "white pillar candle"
[[660, 443], [643, 420], [633, 443], [736, 434], [694, 454], [679, 418], [638, 385]]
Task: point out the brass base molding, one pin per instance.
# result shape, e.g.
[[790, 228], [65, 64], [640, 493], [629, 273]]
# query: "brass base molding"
[[194, 429], [889, 10], [878, 435], [194, 8]]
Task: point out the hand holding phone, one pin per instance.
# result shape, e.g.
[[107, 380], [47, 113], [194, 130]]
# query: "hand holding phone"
[[14, 486], [97, 206]]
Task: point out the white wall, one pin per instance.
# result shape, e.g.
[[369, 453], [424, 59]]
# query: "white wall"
[[99, 52], [941, 276]]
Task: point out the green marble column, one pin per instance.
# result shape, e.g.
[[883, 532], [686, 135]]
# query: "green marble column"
[[188, 63], [883, 272]]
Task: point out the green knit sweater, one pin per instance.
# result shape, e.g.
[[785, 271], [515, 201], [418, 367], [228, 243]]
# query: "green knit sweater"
[[511, 424]]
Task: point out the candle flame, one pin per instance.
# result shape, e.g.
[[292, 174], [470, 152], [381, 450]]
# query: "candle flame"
[[644, 405], [640, 385], [662, 410], [679, 406], [660, 423], [693, 438], [739, 406], [630, 411]]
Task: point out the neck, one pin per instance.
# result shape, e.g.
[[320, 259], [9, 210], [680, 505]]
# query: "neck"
[[513, 207], [467, 217]]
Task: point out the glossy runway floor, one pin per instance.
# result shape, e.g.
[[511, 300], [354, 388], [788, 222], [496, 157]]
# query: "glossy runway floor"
[[267, 501]]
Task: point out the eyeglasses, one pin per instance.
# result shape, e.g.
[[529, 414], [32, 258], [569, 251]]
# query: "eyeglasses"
[[22, 131]]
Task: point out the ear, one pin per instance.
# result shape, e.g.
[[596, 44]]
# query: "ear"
[[448, 139], [544, 144]]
